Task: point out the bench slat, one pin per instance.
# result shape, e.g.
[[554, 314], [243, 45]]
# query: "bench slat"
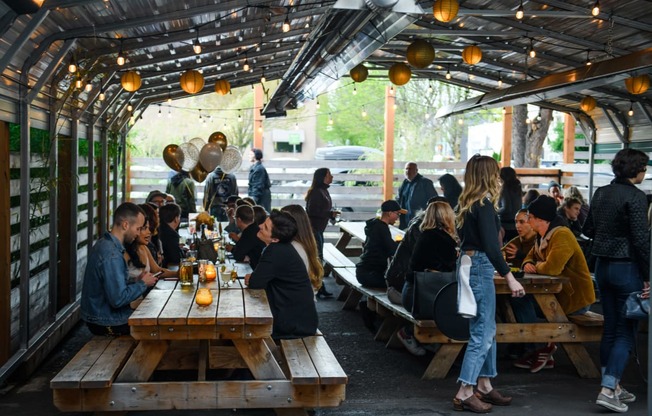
[[302, 369], [107, 366], [587, 319], [329, 369], [70, 376], [335, 258]]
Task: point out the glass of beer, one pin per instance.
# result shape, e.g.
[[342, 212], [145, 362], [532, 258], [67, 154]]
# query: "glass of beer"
[[185, 273], [225, 275]]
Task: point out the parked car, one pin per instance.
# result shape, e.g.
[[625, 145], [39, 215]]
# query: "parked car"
[[345, 153]]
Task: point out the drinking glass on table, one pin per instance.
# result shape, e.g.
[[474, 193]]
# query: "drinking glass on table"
[[185, 273], [225, 275]]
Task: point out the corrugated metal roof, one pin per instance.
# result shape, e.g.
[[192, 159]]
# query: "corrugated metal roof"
[[322, 45]]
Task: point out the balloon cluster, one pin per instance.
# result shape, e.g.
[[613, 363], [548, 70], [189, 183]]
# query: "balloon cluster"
[[198, 157]]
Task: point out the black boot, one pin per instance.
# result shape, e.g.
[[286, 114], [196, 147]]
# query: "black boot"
[[323, 293]]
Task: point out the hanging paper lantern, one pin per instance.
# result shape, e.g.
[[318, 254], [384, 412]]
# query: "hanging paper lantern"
[[399, 73], [420, 53], [588, 103], [192, 81], [222, 86], [445, 10], [359, 73], [638, 85], [472, 55], [130, 81]]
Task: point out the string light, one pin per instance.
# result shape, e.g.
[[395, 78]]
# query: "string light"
[[355, 90], [427, 116], [245, 66], [169, 99], [430, 90], [532, 53], [72, 66], [286, 24], [500, 80], [631, 109], [588, 58], [391, 90], [88, 87], [262, 78], [239, 115], [460, 122], [199, 114], [595, 10], [159, 111], [317, 103], [102, 96], [364, 112], [196, 46], [169, 112], [528, 121], [330, 119], [520, 12], [448, 74], [121, 58], [78, 83], [296, 125], [129, 106]]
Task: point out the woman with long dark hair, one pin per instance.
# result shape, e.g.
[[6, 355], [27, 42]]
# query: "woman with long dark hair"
[[617, 222], [478, 225], [319, 207], [451, 188], [510, 201], [304, 243]]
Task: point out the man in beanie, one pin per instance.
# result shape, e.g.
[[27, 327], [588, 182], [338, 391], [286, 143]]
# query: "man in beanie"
[[555, 253]]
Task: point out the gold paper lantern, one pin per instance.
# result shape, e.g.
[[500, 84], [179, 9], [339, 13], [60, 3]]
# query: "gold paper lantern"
[[131, 81], [588, 103], [399, 74], [192, 81], [472, 55], [359, 73], [638, 85], [420, 53], [222, 86], [445, 10]]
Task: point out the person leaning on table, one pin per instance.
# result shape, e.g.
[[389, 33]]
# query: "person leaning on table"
[[555, 253], [107, 292], [283, 275]]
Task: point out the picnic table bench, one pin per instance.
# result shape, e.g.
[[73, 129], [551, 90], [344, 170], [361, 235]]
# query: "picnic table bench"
[[169, 331], [355, 229]]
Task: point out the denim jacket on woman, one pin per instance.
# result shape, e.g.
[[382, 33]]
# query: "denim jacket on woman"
[[106, 293]]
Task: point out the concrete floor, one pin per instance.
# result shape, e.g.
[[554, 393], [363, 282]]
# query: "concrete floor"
[[381, 381]]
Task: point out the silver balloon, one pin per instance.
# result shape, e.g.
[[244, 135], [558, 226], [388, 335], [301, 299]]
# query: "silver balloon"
[[231, 159], [210, 156], [198, 142], [190, 156]]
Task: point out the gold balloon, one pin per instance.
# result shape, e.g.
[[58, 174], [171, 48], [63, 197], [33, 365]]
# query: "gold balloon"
[[173, 157], [219, 138], [198, 173]]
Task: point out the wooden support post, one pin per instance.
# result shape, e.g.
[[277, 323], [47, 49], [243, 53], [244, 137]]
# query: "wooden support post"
[[506, 155], [5, 251], [388, 162], [258, 118], [569, 138]]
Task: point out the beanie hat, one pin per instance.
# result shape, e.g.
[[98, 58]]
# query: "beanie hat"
[[392, 206], [543, 207]]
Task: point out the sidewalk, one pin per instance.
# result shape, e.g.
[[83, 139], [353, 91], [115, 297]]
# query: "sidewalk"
[[381, 381]]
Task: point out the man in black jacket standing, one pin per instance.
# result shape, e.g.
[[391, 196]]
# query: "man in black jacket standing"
[[414, 193], [259, 183]]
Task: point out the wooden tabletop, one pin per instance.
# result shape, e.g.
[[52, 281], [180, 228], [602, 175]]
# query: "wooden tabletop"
[[169, 311], [532, 283]]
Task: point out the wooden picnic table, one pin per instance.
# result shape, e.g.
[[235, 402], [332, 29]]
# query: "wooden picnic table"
[[172, 332], [556, 328], [351, 229]]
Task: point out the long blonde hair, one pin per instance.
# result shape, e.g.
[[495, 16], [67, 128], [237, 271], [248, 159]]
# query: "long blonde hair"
[[481, 181], [306, 238], [440, 215]]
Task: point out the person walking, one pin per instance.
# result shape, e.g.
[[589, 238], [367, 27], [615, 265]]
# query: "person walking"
[[182, 188], [319, 207], [414, 193], [478, 226], [617, 222], [259, 183]]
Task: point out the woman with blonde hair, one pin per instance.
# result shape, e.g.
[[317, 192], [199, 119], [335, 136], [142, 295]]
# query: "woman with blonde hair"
[[478, 225], [304, 243]]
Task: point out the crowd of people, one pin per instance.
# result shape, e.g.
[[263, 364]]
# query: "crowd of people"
[[491, 220]]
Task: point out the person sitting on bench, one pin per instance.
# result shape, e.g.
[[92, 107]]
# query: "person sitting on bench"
[[249, 246]]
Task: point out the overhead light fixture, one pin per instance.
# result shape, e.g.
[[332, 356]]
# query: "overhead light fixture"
[[159, 111], [500, 80], [595, 10], [520, 12], [330, 119], [102, 96], [121, 57], [448, 74], [245, 66], [286, 23], [78, 83], [262, 78], [430, 90], [532, 52], [631, 109], [364, 112], [355, 90], [130, 107], [588, 58], [196, 46], [88, 87], [169, 99], [72, 66], [317, 103]]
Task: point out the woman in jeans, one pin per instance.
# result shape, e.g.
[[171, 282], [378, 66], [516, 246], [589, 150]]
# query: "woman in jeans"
[[478, 226], [617, 222]]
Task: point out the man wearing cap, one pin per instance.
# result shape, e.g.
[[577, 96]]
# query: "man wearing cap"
[[555, 253], [414, 193], [554, 191], [378, 246], [157, 198]]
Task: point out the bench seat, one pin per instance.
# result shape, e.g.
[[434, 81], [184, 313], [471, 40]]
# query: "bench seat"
[[587, 319], [334, 258], [311, 361]]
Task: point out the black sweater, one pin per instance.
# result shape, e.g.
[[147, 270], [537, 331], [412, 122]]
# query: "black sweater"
[[480, 232], [249, 245], [283, 275], [378, 247], [435, 250]]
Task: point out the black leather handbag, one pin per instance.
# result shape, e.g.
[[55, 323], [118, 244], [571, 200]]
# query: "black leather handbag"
[[636, 307], [426, 287]]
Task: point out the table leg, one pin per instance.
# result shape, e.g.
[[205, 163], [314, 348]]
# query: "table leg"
[[343, 241], [203, 360], [143, 361], [259, 359], [442, 362]]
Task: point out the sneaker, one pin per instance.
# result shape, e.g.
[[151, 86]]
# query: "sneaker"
[[611, 403], [526, 362], [626, 397], [541, 357], [410, 343]]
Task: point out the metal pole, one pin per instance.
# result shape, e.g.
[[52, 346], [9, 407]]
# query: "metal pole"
[[104, 183], [25, 180], [53, 270], [90, 137], [591, 169], [74, 193]]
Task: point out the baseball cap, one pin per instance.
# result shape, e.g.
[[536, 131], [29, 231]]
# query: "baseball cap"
[[155, 194], [392, 206]]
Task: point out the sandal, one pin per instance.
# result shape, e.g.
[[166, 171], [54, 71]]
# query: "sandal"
[[494, 397], [472, 403]]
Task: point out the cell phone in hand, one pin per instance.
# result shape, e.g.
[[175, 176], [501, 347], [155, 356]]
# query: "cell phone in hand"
[[157, 274]]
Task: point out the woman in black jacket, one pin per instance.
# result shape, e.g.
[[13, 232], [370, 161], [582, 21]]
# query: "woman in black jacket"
[[617, 222], [510, 201]]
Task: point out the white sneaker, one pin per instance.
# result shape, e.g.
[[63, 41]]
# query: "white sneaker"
[[611, 403], [410, 343]]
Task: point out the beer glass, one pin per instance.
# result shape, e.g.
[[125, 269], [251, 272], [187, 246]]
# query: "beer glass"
[[185, 273]]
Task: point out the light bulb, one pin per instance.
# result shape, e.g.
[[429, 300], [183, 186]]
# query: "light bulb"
[[595, 10], [631, 110], [330, 119], [296, 126], [286, 25], [500, 82], [88, 87], [317, 104], [129, 107], [430, 90], [159, 111], [262, 78], [460, 122], [364, 112], [78, 83], [355, 90], [528, 121], [448, 74], [246, 66], [520, 12], [121, 59], [102, 96], [197, 46], [72, 67]]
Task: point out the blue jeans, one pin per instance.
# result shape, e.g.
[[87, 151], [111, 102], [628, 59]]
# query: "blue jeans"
[[616, 280], [480, 355]]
